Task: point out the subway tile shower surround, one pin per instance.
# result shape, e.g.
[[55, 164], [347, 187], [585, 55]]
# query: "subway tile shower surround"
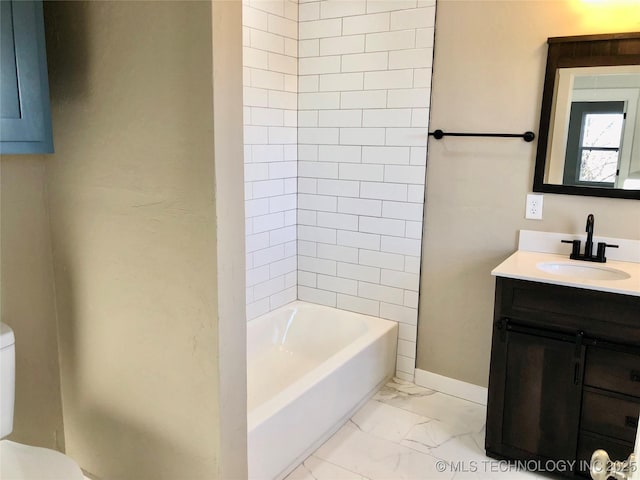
[[363, 97], [363, 88], [270, 41]]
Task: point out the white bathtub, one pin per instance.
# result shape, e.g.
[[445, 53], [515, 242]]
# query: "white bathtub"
[[309, 367]]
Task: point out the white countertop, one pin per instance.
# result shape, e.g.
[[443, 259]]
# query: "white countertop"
[[523, 265]]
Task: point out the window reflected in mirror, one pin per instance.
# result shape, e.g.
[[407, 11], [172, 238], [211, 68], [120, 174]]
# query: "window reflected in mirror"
[[593, 144]]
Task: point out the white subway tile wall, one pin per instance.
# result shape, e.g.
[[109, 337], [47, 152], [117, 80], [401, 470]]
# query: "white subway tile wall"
[[270, 48], [336, 113], [364, 78]]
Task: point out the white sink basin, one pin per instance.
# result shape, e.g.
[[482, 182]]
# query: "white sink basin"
[[586, 271]]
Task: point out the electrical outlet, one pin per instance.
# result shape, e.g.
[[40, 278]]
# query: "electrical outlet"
[[534, 207]]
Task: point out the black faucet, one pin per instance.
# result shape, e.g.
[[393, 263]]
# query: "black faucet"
[[588, 246]]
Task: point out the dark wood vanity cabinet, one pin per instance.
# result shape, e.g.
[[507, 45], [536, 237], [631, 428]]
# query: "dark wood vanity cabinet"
[[565, 374]]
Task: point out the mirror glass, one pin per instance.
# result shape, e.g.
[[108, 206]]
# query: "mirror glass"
[[589, 138], [594, 136]]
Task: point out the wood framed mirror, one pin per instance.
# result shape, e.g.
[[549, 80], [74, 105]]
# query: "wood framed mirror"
[[589, 136]]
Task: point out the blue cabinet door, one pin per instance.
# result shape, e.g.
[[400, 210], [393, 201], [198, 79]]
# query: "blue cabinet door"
[[25, 118]]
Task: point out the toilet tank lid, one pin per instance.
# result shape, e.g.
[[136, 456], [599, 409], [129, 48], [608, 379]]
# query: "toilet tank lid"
[[6, 335]]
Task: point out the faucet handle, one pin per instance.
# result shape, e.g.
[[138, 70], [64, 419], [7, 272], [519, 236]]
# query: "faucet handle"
[[601, 249], [575, 249]]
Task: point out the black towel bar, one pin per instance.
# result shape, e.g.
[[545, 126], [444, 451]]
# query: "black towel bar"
[[526, 136]]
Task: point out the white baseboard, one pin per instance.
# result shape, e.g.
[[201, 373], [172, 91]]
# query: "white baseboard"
[[451, 386]]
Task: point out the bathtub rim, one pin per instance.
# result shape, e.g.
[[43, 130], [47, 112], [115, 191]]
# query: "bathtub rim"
[[262, 412]]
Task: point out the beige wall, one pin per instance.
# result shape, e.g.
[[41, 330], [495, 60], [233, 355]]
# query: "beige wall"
[[134, 231], [229, 150], [488, 73], [27, 302]]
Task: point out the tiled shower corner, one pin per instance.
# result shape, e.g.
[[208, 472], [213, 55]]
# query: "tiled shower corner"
[[349, 167]]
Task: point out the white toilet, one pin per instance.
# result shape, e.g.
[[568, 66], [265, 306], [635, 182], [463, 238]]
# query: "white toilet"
[[17, 461]]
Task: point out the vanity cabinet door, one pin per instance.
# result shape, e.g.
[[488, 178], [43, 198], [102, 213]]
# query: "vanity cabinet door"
[[534, 395]]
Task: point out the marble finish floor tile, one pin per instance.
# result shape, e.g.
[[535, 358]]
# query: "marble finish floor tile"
[[413, 433], [376, 458], [385, 421], [461, 416], [314, 468]]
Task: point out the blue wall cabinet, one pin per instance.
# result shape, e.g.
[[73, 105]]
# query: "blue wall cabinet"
[[25, 117]]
